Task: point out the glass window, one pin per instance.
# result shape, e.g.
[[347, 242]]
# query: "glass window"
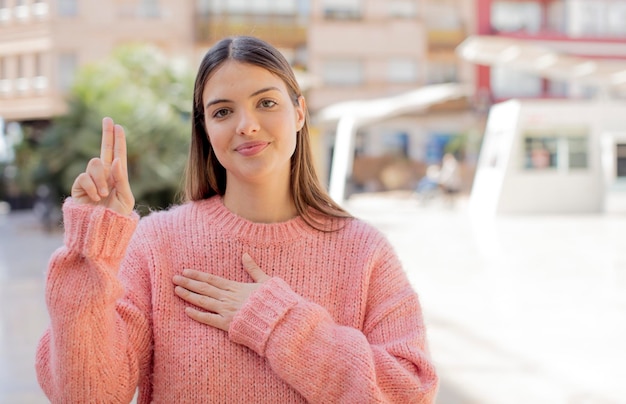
[[621, 160], [586, 18], [342, 9], [402, 71], [39, 64], [402, 8], [68, 64], [439, 72], [343, 72], [577, 152], [280, 7], [540, 153], [68, 8], [616, 18], [564, 149], [441, 15], [509, 83], [149, 9], [512, 16]]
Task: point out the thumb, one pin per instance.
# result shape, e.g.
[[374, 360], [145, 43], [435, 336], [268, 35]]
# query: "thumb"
[[253, 269]]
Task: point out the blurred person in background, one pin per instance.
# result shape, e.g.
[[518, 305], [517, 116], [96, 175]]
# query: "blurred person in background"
[[450, 178], [257, 288]]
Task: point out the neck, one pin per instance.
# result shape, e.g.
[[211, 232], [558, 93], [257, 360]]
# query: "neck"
[[260, 204]]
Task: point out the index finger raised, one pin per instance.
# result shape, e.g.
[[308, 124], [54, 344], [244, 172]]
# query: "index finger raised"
[[108, 142], [119, 148]]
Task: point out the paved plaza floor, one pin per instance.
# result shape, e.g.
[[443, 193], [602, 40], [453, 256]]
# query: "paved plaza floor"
[[520, 309]]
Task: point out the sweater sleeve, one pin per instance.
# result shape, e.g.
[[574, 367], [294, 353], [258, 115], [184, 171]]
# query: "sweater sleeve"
[[97, 342], [385, 362]]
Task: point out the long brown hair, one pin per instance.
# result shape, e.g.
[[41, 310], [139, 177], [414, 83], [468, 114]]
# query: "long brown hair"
[[205, 176]]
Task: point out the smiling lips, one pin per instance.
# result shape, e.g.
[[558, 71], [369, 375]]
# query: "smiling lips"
[[251, 148]]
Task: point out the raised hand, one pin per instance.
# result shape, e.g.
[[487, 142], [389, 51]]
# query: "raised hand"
[[105, 181], [216, 299]]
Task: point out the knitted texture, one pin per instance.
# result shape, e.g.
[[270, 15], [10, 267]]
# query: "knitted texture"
[[338, 322]]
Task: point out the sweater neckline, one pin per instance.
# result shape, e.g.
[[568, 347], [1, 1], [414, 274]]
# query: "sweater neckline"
[[266, 233]]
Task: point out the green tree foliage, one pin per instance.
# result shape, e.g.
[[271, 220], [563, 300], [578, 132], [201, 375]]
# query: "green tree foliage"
[[151, 97]]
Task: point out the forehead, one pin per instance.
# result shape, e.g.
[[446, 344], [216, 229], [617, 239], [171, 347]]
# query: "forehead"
[[234, 76]]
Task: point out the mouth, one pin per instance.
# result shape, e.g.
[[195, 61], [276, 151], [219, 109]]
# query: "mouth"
[[251, 148]]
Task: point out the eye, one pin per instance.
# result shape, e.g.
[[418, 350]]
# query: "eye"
[[267, 103], [221, 113]]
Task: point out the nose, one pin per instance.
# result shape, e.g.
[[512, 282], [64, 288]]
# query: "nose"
[[248, 123]]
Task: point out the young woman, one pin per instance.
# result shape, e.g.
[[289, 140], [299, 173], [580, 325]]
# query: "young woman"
[[258, 289]]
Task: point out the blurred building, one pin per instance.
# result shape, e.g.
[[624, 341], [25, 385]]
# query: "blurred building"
[[342, 50], [368, 49], [45, 42], [558, 146], [592, 29]]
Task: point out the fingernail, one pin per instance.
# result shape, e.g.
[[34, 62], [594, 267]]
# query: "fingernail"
[[246, 256]]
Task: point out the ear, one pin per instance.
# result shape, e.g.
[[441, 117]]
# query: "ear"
[[300, 113]]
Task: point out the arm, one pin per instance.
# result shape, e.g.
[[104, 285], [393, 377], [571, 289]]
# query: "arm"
[[385, 362], [97, 343]]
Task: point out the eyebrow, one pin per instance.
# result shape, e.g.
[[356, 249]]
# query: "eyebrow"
[[254, 94]]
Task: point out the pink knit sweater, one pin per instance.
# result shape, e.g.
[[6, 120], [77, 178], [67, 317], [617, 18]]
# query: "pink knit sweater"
[[337, 323]]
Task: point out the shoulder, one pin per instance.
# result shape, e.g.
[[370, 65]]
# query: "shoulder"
[[361, 232]]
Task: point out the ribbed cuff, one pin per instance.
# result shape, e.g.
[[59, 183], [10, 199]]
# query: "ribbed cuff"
[[264, 309], [97, 232]]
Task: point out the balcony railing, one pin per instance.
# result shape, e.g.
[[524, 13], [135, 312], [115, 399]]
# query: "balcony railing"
[[281, 31], [445, 39]]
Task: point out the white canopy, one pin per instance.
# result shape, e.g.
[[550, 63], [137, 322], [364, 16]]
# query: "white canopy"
[[526, 55]]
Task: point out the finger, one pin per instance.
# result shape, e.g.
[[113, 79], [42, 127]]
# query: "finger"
[[211, 279], [120, 179], [253, 269], [119, 149], [212, 319], [84, 185], [108, 142], [199, 287], [204, 302], [97, 172]]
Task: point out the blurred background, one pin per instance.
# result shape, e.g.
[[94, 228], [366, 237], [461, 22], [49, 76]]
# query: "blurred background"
[[486, 138]]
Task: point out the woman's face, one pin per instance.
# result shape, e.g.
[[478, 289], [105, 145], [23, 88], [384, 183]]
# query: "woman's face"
[[251, 122]]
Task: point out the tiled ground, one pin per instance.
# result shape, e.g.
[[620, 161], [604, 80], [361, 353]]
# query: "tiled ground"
[[519, 310]]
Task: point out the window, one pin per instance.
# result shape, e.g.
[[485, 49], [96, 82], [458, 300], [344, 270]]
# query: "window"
[[509, 83], [562, 149], [149, 9], [67, 8], [512, 16], [342, 9], [40, 81], [402, 71], [68, 64], [267, 7], [616, 16], [21, 10], [343, 72], [39, 8], [540, 153], [621, 160], [5, 83], [21, 82], [402, 8], [440, 72], [577, 152]]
